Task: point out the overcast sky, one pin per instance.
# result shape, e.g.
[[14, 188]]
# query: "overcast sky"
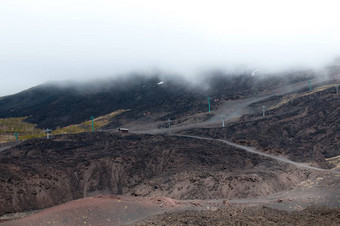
[[43, 40]]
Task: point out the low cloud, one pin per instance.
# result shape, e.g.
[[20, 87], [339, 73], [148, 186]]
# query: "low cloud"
[[80, 40]]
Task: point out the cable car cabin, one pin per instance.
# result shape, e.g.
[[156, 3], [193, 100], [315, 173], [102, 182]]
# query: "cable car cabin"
[[123, 130]]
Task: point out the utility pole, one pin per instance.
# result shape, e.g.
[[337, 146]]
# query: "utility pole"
[[47, 131], [263, 110], [209, 103], [92, 124], [16, 136], [337, 89], [310, 85], [169, 122]]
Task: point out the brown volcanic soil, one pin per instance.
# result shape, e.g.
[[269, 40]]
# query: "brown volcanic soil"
[[305, 129], [315, 201], [102, 210], [236, 215], [43, 173], [319, 190], [122, 210]]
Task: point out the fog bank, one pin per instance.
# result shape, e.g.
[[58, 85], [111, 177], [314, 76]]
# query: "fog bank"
[[43, 40]]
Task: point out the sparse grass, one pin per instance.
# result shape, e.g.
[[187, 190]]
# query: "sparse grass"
[[9, 126], [6, 138], [16, 125], [334, 162], [87, 125], [32, 136]]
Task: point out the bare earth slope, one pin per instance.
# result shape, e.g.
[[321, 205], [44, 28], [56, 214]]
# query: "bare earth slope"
[[249, 216], [43, 173], [276, 161]]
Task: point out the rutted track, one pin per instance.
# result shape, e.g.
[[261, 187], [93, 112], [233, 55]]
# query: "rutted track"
[[6, 146], [232, 110], [255, 151]]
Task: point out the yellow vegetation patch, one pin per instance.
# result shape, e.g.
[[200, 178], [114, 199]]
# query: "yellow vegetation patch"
[[25, 130], [87, 125], [16, 125], [334, 162], [6, 138], [10, 126]]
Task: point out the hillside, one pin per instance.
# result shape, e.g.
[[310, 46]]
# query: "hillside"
[[285, 160], [304, 127], [17, 126], [43, 173], [52, 105]]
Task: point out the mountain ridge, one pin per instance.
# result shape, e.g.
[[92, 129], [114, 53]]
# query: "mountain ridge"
[[52, 105]]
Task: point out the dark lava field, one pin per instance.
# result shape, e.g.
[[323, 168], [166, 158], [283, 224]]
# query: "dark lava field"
[[53, 105], [306, 129], [44, 173], [256, 170]]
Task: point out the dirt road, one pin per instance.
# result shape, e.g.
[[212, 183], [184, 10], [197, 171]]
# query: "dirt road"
[[5, 146], [255, 151], [231, 110]]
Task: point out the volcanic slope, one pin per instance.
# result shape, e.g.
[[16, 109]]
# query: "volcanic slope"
[[53, 105], [43, 173], [305, 128], [236, 215]]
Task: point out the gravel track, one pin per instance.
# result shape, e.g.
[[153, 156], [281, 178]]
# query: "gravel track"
[[255, 151]]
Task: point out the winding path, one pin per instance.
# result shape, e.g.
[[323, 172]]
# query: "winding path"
[[255, 151], [6, 146], [231, 110]]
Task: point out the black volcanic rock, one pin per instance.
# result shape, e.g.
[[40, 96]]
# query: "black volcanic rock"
[[53, 105], [306, 129]]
